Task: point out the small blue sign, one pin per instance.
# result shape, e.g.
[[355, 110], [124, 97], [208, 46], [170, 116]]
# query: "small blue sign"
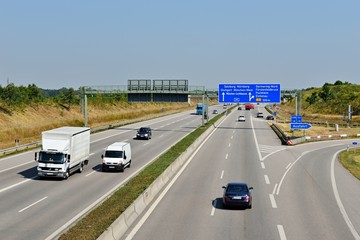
[[300, 125], [249, 93], [275, 114], [296, 119]]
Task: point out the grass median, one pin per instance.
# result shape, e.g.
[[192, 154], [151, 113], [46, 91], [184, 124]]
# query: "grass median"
[[100, 218], [351, 161]]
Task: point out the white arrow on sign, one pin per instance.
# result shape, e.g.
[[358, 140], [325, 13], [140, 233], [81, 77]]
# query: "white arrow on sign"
[[250, 97], [223, 95]]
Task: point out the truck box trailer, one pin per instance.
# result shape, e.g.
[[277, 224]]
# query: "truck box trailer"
[[64, 151]]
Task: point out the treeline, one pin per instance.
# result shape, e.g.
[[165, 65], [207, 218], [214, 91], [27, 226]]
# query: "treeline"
[[333, 98], [17, 97]]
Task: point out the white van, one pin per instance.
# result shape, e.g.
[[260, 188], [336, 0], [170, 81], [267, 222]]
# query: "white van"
[[117, 156]]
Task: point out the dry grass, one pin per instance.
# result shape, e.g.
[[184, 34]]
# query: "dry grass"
[[28, 124], [351, 160], [317, 131], [286, 111]]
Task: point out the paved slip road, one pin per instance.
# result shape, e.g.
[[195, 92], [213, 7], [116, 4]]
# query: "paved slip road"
[[300, 192], [40, 209]]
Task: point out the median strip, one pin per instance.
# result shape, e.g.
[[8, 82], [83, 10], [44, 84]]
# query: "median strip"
[[99, 219]]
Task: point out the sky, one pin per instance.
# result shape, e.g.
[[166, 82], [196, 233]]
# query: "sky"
[[296, 43]]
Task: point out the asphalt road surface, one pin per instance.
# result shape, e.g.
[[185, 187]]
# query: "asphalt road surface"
[[33, 208], [300, 192]]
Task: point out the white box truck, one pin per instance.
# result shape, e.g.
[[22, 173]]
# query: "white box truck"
[[117, 156], [64, 151]]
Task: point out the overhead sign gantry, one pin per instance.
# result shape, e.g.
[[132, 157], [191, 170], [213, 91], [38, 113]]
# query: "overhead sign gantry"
[[249, 93]]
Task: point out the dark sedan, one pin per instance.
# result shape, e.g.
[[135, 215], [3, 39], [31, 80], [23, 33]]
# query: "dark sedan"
[[144, 132], [237, 194], [270, 117]]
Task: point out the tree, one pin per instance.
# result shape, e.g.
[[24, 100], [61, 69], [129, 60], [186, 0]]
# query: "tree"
[[34, 94], [312, 99], [326, 94], [13, 96], [338, 82], [67, 97]]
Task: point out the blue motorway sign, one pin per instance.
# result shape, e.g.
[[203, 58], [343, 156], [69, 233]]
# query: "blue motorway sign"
[[300, 125], [249, 93], [296, 119]]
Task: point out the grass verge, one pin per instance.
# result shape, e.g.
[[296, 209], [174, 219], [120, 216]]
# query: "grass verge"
[[351, 161], [99, 219]]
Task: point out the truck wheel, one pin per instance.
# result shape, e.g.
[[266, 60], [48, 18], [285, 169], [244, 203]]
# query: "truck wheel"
[[81, 168], [129, 163], [67, 174]]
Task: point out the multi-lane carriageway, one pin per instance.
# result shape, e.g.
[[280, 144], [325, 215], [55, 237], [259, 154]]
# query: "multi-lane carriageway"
[[300, 192]]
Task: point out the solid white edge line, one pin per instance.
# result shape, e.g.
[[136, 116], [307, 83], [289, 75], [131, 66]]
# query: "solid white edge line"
[[167, 188], [272, 200], [102, 198], [275, 188], [281, 232], [32, 204], [255, 139], [288, 166], [338, 200], [287, 170]]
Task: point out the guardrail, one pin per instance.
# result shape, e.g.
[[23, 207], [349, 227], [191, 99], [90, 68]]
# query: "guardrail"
[[93, 130], [20, 147], [281, 134]]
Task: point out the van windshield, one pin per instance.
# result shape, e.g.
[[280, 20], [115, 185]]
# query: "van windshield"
[[113, 154], [49, 157]]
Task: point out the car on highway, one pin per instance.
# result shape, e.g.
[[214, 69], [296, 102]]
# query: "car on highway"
[[237, 194], [260, 115], [241, 118], [215, 111], [239, 108], [144, 133], [270, 117]]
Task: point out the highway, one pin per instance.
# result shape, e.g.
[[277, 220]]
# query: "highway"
[[300, 192], [33, 208]]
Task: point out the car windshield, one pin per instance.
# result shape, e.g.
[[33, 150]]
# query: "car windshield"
[[143, 130], [237, 188], [49, 157], [113, 154]]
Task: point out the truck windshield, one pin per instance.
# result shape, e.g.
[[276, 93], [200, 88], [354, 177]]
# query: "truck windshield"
[[113, 154], [48, 157]]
